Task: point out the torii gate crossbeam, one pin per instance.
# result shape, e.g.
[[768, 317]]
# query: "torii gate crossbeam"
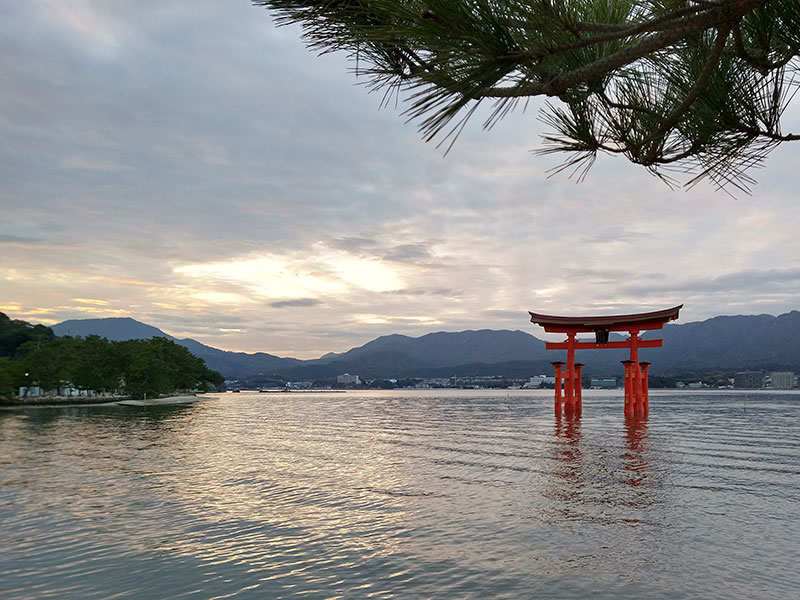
[[636, 385]]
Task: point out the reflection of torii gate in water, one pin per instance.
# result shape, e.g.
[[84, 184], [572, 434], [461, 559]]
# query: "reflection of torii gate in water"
[[636, 388]]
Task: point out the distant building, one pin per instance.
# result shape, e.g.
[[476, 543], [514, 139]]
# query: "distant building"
[[64, 390], [348, 379], [748, 380], [608, 383], [782, 380], [535, 381]]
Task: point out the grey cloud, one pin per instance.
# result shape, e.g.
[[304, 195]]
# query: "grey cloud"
[[212, 320], [411, 253], [17, 239], [425, 291], [299, 302], [408, 253], [506, 315], [353, 243], [596, 275], [749, 280], [615, 234]]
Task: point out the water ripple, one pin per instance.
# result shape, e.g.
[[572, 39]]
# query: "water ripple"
[[398, 495]]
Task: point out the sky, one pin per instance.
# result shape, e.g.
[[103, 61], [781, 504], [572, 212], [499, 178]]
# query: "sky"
[[190, 165]]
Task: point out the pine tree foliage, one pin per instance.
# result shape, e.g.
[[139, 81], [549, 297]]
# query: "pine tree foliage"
[[695, 87]]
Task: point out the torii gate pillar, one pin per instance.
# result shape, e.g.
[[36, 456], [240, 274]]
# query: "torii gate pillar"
[[558, 377], [636, 382]]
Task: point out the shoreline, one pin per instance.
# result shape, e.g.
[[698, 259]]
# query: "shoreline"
[[169, 400], [78, 401]]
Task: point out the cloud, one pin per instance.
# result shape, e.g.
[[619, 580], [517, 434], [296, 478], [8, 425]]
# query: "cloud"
[[507, 315], [615, 234], [758, 281], [409, 253], [18, 239], [299, 302], [350, 244], [92, 301], [87, 164], [427, 292]]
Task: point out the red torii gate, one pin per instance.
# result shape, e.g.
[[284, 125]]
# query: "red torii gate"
[[636, 387]]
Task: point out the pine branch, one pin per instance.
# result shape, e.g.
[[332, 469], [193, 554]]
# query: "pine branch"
[[684, 28], [618, 66], [680, 111]]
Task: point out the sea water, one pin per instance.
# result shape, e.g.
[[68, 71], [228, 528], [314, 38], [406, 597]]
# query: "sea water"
[[403, 494]]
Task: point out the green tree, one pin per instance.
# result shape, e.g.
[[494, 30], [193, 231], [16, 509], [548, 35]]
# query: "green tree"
[[692, 86], [94, 368], [14, 333], [7, 379], [50, 364], [148, 375], [31, 355], [158, 366]]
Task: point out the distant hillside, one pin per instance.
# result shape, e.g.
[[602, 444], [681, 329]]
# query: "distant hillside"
[[759, 341], [728, 343], [116, 329], [430, 355], [231, 365], [239, 365], [453, 348]]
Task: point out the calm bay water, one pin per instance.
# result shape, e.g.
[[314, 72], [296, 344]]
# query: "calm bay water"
[[403, 494]]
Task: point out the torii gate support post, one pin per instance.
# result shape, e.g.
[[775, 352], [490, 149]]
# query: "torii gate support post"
[[558, 364], [578, 388], [628, 386], [636, 380], [645, 387], [569, 378]]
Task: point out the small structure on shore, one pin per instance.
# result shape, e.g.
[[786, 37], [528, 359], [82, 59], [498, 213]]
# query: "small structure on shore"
[[636, 386]]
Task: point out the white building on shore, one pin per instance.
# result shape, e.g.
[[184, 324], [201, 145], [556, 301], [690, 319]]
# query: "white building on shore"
[[348, 379], [783, 380]]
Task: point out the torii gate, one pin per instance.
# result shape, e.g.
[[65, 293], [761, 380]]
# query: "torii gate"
[[636, 386]]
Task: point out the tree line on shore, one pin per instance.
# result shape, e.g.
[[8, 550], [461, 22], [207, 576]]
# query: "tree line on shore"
[[32, 356]]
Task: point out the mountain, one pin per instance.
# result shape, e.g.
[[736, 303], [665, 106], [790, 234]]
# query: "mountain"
[[113, 329], [431, 355], [754, 342], [448, 348], [232, 365], [724, 342]]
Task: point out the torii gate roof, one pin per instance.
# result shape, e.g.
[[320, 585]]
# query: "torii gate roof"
[[640, 321]]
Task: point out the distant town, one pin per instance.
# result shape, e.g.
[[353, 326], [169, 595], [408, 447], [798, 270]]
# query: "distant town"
[[745, 380]]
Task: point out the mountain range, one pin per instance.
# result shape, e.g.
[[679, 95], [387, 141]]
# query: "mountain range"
[[725, 343]]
